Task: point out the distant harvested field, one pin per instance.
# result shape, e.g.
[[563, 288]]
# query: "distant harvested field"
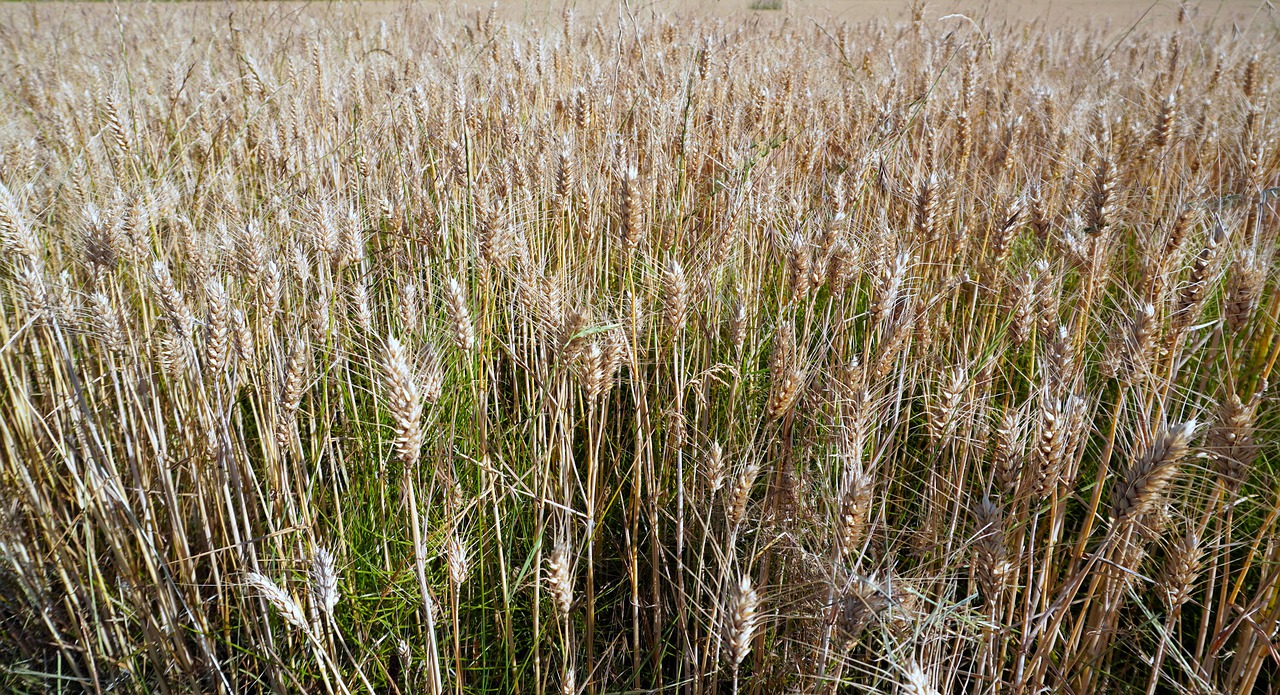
[[842, 347]]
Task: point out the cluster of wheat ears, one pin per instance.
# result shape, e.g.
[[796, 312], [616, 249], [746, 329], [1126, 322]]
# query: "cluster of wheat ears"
[[404, 350]]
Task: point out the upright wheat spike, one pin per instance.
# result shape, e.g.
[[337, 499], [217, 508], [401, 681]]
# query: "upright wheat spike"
[[675, 296], [217, 336], [742, 620], [785, 373], [324, 581], [464, 336], [404, 399], [1230, 440], [560, 576], [1181, 567], [741, 494]]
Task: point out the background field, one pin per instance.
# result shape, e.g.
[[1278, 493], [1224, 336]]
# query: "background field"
[[845, 347]]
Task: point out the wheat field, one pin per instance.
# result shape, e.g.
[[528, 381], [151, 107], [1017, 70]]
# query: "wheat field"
[[427, 349]]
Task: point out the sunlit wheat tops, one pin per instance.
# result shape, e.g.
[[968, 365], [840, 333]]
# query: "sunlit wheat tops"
[[756, 348]]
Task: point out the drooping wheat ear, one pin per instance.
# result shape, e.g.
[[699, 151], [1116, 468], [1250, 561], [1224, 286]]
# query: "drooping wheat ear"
[[560, 576], [736, 505], [65, 303], [616, 352], [299, 266], [326, 236], [714, 469], [457, 558], [1244, 289], [786, 375], [631, 205], [217, 332], [404, 400], [1041, 211], [459, 164], [278, 598], [324, 581], [1256, 167], [742, 619], [291, 387], [675, 296], [1230, 441], [840, 269], [583, 109], [1076, 410], [1181, 568], [1144, 483], [1249, 76], [175, 307], [464, 335], [1046, 297], [990, 553], [702, 60], [17, 236]]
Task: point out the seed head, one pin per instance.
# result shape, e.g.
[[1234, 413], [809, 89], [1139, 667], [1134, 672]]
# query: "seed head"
[[742, 619], [464, 336], [1144, 483], [278, 598], [404, 399], [324, 581]]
